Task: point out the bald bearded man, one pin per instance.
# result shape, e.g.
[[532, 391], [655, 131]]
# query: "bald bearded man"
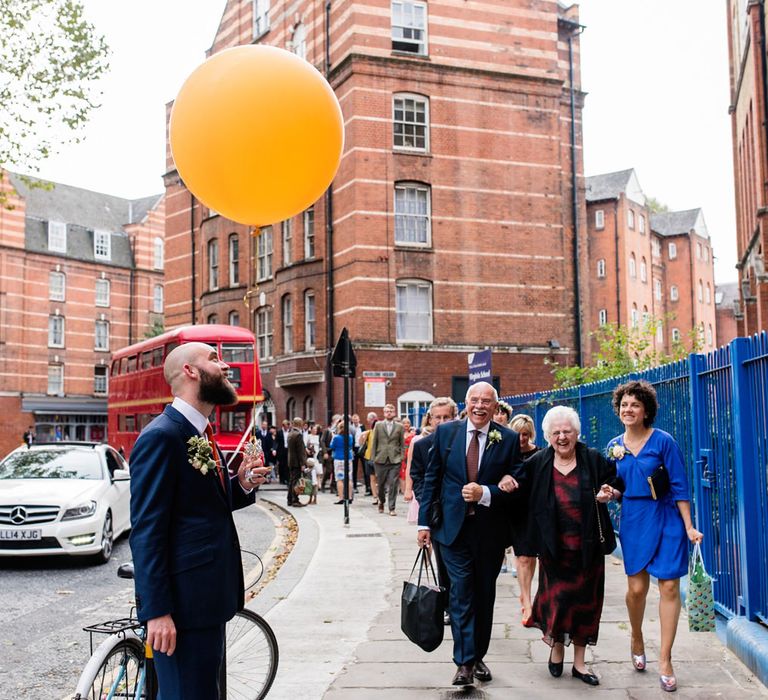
[[186, 553]]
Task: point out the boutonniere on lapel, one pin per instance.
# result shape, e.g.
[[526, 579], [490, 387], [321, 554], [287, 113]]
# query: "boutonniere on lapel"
[[493, 437], [200, 454], [616, 451]]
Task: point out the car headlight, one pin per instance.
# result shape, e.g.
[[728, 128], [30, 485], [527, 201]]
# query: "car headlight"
[[82, 510]]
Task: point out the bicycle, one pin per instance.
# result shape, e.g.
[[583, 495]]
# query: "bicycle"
[[121, 666]]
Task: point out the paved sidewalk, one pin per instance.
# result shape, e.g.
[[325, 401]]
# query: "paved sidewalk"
[[335, 608]]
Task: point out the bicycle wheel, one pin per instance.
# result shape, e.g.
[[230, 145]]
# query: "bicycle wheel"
[[121, 675], [252, 656]]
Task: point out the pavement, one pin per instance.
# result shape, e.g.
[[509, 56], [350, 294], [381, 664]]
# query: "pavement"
[[335, 608]]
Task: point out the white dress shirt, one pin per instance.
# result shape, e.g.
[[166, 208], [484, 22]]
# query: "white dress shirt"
[[482, 438]]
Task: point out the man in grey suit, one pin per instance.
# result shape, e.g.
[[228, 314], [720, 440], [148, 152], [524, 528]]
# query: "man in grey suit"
[[387, 451]]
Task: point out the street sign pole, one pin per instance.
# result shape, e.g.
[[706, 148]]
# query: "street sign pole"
[[344, 364]]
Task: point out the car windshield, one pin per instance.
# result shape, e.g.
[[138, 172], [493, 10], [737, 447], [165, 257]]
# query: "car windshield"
[[51, 464]]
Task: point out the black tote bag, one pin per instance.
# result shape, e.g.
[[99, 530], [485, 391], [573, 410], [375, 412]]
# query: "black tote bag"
[[422, 605]]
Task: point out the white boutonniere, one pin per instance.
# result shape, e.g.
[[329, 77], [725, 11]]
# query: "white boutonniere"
[[201, 454], [616, 451], [494, 436]]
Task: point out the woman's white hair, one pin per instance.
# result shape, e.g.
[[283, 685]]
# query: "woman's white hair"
[[557, 414]]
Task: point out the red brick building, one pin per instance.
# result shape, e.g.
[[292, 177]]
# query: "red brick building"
[[645, 265], [81, 274], [749, 121], [450, 224], [727, 310]]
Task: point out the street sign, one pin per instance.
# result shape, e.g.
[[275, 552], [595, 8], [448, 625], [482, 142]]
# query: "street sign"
[[479, 366], [343, 360]]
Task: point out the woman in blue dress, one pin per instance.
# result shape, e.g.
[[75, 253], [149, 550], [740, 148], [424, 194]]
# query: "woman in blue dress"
[[654, 533]]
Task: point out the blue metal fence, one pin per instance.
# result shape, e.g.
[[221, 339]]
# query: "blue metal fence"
[[716, 406]]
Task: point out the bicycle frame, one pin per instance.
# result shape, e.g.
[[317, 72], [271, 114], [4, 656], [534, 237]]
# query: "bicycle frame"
[[99, 656]]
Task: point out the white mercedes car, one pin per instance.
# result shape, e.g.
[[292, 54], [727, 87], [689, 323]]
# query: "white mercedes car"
[[63, 498]]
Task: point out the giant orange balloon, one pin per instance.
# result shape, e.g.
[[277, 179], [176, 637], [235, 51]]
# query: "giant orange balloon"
[[256, 134]]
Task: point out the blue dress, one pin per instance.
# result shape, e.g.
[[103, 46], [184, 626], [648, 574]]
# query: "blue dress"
[[652, 533]]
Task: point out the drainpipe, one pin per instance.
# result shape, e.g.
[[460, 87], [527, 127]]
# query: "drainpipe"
[[192, 248], [616, 247], [329, 290]]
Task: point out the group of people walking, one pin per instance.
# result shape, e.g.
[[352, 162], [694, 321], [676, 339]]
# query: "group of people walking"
[[494, 488]]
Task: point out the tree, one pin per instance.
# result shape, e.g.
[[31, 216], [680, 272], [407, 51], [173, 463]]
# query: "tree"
[[624, 350], [655, 206], [50, 60]]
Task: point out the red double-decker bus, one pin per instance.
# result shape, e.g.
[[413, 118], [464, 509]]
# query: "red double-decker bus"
[[138, 392]]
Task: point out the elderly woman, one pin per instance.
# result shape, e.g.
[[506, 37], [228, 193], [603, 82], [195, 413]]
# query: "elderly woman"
[[569, 528], [521, 543], [656, 522]]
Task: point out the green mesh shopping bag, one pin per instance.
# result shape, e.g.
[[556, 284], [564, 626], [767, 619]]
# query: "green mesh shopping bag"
[[700, 600]]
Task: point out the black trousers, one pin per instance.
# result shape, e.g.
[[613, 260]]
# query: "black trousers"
[[192, 672], [293, 476]]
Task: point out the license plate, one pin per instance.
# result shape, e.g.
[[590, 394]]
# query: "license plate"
[[21, 535]]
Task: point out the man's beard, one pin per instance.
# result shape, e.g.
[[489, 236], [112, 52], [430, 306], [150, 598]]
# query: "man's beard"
[[216, 391]]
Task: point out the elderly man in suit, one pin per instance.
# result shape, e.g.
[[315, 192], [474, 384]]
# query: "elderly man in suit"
[[387, 451], [297, 459], [467, 460], [186, 553]]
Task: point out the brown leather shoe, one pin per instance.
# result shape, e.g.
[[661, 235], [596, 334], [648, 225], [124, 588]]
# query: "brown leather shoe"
[[463, 675], [482, 672]]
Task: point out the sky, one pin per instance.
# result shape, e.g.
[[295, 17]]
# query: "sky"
[[655, 73]]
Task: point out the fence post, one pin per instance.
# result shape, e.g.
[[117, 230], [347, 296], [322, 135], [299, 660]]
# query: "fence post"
[[745, 467], [696, 365]]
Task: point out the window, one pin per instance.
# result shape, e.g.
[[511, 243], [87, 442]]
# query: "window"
[[309, 233], [158, 299], [309, 321], [260, 17], [287, 316], [675, 335], [213, 264], [409, 26], [655, 248], [657, 289], [264, 254], [290, 408], [299, 41], [264, 332], [412, 213], [102, 292], [700, 293], [601, 268], [599, 219], [706, 254], [413, 302], [102, 245], [672, 249], [710, 337], [641, 223], [674, 295], [57, 237], [55, 331], [631, 218], [101, 336], [234, 260], [100, 380], [57, 286], [212, 318], [56, 380], [646, 317], [233, 318], [643, 271], [409, 122], [287, 241], [309, 409], [602, 317], [413, 405], [634, 316], [698, 251], [632, 265], [708, 294], [158, 254]]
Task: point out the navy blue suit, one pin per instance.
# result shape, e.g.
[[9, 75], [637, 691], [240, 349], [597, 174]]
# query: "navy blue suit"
[[472, 545], [186, 553]]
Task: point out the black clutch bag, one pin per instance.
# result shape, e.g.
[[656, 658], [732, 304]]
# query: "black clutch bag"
[[658, 482]]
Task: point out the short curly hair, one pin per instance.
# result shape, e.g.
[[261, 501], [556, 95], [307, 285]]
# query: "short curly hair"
[[644, 392]]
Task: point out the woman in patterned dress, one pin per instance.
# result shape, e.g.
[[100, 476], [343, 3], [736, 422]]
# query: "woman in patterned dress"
[[654, 532]]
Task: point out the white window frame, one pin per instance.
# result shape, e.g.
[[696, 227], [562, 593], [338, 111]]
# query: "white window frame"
[[674, 293], [102, 292], [286, 316], [158, 253], [212, 319], [310, 320], [656, 247], [212, 250], [102, 245], [599, 219], [299, 41], [700, 292], [158, 299], [675, 335], [708, 294], [632, 265], [405, 25], [659, 332], [309, 233], [57, 328], [406, 318], [260, 18], [309, 409], [602, 317], [57, 286], [409, 223], [55, 380], [57, 237], [643, 270], [658, 292], [672, 250], [601, 268], [641, 223], [286, 233], [631, 218], [264, 251], [101, 335], [264, 332], [409, 129], [100, 380], [414, 403], [699, 254], [233, 253], [233, 318], [634, 317]]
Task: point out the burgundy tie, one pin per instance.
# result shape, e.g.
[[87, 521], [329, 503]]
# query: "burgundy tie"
[[212, 442], [473, 460]]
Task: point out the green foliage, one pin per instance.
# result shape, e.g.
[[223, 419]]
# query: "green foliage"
[[624, 350], [655, 206], [50, 60], [155, 329]]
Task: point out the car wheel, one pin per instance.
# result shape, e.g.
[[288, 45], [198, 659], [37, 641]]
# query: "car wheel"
[[107, 540]]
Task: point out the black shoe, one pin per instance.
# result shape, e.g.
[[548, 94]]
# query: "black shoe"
[[482, 672], [555, 669], [588, 678], [296, 505], [339, 503], [463, 675]]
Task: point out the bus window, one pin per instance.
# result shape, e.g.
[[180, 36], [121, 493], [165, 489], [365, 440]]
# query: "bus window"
[[234, 421], [171, 346], [130, 423], [131, 366], [115, 368], [144, 420], [234, 377], [236, 352], [121, 422], [157, 357], [146, 359]]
